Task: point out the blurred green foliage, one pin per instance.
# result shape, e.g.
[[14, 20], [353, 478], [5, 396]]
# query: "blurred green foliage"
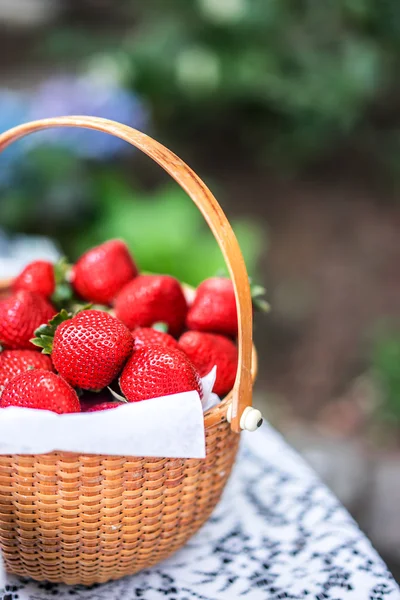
[[164, 229], [51, 195], [386, 372], [291, 78], [83, 204]]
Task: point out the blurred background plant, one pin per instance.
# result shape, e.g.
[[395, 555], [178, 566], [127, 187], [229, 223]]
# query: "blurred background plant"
[[56, 181], [386, 374], [289, 109], [294, 77]]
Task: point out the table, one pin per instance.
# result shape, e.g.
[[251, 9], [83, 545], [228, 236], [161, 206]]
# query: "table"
[[278, 533]]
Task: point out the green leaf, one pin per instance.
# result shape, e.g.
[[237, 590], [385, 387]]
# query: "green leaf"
[[163, 327], [44, 330], [45, 342], [257, 295], [63, 294], [44, 334], [385, 365], [261, 305], [83, 307], [101, 307], [257, 290], [61, 269], [62, 316]]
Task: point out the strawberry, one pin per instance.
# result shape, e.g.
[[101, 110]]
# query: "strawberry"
[[40, 389], [147, 335], [89, 349], [102, 272], [91, 400], [20, 314], [206, 350], [104, 406], [149, 299], [154, 371], [37, 277], [14, 362], [214, 307]]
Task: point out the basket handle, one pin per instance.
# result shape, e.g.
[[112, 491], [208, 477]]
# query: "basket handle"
[[241, 414]]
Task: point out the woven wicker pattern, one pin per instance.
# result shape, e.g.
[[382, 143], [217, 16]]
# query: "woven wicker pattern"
[[89, 519]]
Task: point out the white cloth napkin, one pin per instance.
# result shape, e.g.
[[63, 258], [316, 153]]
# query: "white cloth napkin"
[[171, 426]]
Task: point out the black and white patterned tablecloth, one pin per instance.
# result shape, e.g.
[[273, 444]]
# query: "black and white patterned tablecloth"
[[277, 533]]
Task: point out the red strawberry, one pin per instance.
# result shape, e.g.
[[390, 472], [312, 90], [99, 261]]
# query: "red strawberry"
[[20, 314], [102, 272], [37, 277], [104, 406], [14, 362], [90, 349], [206, 350], [40, 389], [147, 335], [89, 400], [149, 299], [214, 308], [154, 371]]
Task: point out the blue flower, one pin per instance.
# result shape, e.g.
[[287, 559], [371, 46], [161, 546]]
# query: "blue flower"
[[85, 95], [13, 111]]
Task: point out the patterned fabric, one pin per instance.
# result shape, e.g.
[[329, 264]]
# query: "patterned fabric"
[[277, 534]]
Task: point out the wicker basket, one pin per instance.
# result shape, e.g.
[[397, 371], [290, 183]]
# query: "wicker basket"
[[88, 519]]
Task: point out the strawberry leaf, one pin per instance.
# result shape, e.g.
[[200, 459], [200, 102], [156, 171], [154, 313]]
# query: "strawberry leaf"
[[163, 327], [59, 318], [44, 330], [44, 334], [261, 305], [61, 270], [44, 342], [257, 295], [63, 293], [100, 307], [81, 307]]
